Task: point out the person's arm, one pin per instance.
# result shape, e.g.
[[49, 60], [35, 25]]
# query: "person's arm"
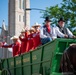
[[53, 35], [41, 33], [60, 34], [25, 37], [7, 46], [70, 33]]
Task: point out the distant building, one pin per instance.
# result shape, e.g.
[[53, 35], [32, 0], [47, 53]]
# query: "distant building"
[[3, 37], [18, 18]]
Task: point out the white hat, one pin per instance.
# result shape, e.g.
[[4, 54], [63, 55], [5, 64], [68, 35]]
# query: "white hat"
[[14, 37], [36, 25]]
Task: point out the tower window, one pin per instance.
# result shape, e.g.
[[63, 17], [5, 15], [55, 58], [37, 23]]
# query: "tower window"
[[23, 3], [23, 19], [20, 4], [19, 18]]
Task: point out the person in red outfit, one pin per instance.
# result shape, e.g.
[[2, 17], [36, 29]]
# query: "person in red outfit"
[[36, 26], [30, 39], [36, 35], [27, 43], [16, 46], [24, 41]]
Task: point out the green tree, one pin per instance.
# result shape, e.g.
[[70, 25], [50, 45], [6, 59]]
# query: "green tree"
[[67, 10]]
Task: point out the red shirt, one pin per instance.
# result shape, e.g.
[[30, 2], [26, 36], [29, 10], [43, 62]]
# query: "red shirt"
[[30, 43], [24, 43], [15, 46], [36, 39]]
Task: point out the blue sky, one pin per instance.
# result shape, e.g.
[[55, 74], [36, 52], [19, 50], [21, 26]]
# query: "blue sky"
[[35, 14]]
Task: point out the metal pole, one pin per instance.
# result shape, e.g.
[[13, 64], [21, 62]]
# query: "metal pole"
[[34, 9]]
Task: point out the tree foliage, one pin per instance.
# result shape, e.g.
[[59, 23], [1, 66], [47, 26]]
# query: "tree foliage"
[[67, 10]]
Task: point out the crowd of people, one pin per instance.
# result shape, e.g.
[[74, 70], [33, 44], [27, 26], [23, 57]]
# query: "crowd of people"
[[38, 35]]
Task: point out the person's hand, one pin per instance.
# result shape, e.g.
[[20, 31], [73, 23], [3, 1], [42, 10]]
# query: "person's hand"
[[74, 37], [26, 28], [66, 36], [53, 38], [73, 44], [16, 55]]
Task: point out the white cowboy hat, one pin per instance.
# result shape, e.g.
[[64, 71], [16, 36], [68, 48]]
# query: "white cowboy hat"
[[14, 37], [36, 25]]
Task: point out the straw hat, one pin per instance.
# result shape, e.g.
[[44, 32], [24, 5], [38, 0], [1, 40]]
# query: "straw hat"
[[14, 37], [32, 29], [36, 25]]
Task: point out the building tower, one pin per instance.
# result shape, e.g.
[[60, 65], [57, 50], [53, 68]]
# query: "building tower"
[[3, 38], [18, 17]]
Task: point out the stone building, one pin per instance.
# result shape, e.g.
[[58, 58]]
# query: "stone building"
[[3, 38], [18, 18]]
